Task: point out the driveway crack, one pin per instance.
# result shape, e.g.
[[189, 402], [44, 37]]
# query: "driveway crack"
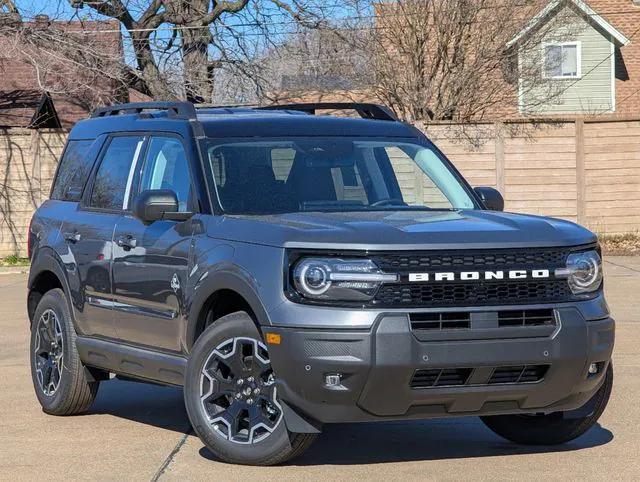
[[172, 455], [622, 266]]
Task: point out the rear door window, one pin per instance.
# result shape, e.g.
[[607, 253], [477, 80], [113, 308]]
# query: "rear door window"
[[73, 172], [112, 185]]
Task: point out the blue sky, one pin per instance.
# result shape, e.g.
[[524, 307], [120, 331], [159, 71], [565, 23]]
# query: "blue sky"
[[54, 8]]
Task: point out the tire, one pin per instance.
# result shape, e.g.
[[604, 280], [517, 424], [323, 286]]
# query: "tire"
[[554, 428], [58, 375], [228, 363]]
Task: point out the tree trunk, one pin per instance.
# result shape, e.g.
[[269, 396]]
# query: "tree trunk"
[[153, 80], [195, 43]]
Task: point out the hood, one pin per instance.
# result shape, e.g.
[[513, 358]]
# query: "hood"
[[388, 230]]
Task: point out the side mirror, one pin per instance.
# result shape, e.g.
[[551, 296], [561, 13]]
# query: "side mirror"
[[158, 204], [491, 198]]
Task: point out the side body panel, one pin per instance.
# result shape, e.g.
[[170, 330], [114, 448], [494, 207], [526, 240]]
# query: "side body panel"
[[87, 240], [149, 281]]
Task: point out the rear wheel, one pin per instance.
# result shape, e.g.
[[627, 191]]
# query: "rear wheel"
[[58, 375], [232, 399], [554, 428]]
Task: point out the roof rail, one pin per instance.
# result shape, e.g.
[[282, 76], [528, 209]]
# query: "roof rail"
[[174, 109], [366, 111]]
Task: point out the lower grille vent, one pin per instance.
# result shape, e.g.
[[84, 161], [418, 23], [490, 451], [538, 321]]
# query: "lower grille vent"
[[518, 374], [452, 377], [440, 321], [526, 318], [440, 377]]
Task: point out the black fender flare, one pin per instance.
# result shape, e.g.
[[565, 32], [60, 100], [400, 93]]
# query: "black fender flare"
[[222, 280], [47, 260]]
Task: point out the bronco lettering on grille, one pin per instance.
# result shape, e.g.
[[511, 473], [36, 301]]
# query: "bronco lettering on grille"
[[480, 275]]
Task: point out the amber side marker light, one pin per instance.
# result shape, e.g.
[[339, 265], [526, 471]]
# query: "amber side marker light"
[[273, 338]]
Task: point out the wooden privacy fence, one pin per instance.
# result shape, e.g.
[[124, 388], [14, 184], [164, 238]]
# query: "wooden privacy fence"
[[28, 159], [584, 170]]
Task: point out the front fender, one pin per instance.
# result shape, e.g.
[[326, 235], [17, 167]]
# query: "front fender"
[[228, 277]]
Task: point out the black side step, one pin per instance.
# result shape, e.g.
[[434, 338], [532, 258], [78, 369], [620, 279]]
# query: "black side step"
[[132, 361]]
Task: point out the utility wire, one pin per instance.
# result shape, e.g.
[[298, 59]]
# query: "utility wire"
[[258, 24]]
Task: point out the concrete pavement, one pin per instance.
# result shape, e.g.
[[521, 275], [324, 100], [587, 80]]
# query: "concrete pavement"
[[141, 432]]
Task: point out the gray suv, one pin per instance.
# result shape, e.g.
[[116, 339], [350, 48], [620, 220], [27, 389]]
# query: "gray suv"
[[291, 270]]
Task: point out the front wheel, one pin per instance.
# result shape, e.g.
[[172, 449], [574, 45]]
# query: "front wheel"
[[232, 399], [554, 428]]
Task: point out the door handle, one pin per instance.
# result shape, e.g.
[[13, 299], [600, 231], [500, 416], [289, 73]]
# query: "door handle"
[[127, 241], [72, 237]]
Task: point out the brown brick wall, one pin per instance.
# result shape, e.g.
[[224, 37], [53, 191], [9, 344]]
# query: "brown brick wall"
[[72, 101]]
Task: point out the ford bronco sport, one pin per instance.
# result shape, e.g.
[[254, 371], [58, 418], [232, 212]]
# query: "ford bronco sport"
[[291, 270]]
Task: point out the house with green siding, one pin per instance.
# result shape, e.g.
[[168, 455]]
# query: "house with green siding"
[[567, 58]]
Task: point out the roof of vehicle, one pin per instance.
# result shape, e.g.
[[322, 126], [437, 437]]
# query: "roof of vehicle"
[[222, 122]]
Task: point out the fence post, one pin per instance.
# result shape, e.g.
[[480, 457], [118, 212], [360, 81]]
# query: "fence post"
[[36, 168], [580, 173], [499, 157]]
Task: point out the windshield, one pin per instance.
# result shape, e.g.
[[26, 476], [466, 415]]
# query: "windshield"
[[269, 176]]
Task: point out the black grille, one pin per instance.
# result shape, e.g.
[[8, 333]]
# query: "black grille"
[[440, 321], [500, 259], [440, 377], [473, 293], [518, 374], [452, 377], [526, 318]]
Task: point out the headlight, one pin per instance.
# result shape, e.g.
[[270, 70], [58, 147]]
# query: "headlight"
[[583, 272], [338, 279]]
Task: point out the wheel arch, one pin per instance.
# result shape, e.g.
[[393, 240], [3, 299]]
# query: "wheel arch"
[[46, 273], [222, 293]]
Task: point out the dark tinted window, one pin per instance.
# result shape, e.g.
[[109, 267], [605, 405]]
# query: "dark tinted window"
[[166, 167], [114, 172], [333, 174], [73, 172]]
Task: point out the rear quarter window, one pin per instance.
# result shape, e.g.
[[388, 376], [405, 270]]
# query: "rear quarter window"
[[73, 171]]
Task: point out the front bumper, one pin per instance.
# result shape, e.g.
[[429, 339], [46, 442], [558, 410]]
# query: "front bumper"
[[378, 364]]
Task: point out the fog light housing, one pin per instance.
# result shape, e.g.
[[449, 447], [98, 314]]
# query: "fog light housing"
[[332, 380], [593, 369]]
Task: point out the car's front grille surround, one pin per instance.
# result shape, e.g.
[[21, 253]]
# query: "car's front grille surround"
[[479, 292], [472, 293], [400, 261]]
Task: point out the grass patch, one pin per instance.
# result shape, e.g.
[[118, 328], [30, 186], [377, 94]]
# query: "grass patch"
[[620, 244], [14, 260]]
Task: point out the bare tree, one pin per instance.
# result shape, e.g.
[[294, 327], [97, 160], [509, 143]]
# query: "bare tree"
[[195, 26], [448, 59]]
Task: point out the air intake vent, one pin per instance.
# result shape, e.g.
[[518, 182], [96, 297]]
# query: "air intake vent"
[[518, 374], [445, 377], [440, 321], [526, 318]]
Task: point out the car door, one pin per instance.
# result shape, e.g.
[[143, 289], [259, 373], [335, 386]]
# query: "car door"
[[150, 262], [88, 234]]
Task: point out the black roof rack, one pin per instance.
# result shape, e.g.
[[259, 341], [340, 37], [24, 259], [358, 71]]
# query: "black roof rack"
[[187, 110], [366, 111], [174, 109]]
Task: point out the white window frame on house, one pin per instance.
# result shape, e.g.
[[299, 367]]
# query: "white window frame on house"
[[578, 46]]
